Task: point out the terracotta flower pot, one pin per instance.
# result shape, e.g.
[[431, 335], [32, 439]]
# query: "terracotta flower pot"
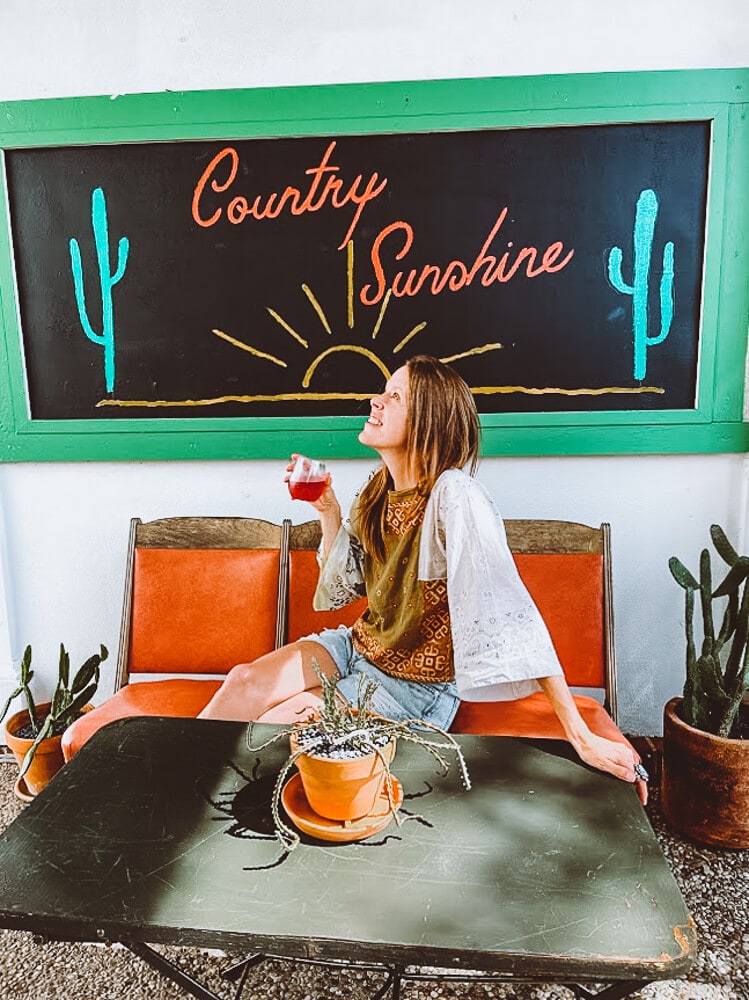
[[342, 789], [48, 758], [704, 783]]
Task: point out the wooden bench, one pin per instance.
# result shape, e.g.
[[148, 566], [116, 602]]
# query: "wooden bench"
[[202, 594]]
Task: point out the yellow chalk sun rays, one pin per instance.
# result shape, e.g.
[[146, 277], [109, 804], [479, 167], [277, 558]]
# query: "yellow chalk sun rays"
[[338, 348]]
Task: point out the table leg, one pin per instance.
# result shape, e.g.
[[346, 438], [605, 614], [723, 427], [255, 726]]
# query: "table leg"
[[390, 989], [167, 968], [392, 984], [617, 991], [238, 973]]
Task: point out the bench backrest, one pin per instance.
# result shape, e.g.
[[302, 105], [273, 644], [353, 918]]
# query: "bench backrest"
[[205, 593], [201, 594], [302, 619]]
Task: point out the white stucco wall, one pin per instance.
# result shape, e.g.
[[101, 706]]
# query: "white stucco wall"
[[56, 49], [64, 526]]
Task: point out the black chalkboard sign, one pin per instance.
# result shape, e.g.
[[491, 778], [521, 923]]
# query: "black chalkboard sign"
[[559, 268]]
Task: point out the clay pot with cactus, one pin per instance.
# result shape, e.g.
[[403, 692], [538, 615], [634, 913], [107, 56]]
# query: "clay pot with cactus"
[[705, 776], [34, 734], [345, 789]]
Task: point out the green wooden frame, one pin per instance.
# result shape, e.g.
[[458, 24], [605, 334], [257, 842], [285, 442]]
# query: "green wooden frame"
[[720, 96]]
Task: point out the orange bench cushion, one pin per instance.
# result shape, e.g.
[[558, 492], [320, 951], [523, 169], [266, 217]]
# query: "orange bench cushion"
[[180, 697], [202, 610], [303, 619], [531, 716]]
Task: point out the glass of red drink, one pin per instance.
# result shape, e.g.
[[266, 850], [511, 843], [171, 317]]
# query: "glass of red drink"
[[308, 479]]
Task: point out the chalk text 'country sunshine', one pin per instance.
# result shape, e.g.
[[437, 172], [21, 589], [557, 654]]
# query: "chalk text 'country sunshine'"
[[394, 243]]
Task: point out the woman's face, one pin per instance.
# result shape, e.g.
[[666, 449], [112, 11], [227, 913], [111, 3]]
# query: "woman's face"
[[386, 427]]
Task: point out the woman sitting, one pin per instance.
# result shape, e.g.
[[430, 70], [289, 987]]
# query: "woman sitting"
[[448, 617]]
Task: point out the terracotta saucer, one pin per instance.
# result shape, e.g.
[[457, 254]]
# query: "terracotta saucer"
[[22, 791], [301, 815]]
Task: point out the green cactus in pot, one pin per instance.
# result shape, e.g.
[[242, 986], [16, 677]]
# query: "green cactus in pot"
[[717, 676], [68, 699]]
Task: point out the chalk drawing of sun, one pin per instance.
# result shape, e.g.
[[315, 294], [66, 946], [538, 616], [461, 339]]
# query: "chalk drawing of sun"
[[306, 391]]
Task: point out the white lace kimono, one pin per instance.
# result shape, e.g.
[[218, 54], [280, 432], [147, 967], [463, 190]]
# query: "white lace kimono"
[[500, 642]]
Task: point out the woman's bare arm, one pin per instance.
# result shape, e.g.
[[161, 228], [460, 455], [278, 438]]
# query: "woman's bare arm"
[[606, 755]]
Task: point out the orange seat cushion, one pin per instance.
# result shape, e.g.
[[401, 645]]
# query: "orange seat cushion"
[[531, 716], [202, 610], [179, 697], [303, 619]]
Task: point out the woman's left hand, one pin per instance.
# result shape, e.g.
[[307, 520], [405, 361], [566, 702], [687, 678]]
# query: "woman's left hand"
[[607, 755], [614, 758]]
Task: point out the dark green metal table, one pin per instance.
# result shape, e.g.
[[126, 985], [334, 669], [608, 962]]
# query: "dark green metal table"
[[159, 831]]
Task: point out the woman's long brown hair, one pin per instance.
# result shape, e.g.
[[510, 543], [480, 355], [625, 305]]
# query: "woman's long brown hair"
[[443, 433]]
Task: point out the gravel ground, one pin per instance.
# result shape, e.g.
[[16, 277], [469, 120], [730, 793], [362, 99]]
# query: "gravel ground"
[[715, 885]]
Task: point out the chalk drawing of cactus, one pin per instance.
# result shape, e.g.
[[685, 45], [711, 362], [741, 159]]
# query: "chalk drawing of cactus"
[[107, 281], [646, 214]]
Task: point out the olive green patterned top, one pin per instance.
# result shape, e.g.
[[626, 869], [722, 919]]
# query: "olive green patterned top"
[[406, 629]]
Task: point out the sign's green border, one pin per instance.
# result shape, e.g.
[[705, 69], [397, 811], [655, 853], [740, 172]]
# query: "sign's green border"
[[718, 96]]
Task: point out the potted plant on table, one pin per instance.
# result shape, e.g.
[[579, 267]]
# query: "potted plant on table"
[[705, 777], [344, 789], [34, 733]]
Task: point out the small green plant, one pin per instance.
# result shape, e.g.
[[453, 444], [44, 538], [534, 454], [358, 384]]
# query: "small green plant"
[[67, 702], [27, 675], [718, 676], [340, 730]]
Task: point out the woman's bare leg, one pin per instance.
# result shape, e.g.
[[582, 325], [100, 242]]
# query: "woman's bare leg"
[[294, 709], [251, 690]]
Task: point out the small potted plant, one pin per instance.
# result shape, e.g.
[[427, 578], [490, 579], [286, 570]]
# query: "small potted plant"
[[343, 754], [705, 778], [34, 733]]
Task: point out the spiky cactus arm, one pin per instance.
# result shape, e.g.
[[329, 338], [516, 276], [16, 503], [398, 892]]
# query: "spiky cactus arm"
[[692, 684], [702, 687], [706, 603], [731, 714], [723, 547], [24, 689], [692, 687], [735, 677], [681, 574], [711, 700], [26, 675], [74, 695], [732, 584], [728, 625], [46, 729]]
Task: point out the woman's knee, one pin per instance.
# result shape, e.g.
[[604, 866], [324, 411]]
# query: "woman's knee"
[[239, 677], [280, 674]]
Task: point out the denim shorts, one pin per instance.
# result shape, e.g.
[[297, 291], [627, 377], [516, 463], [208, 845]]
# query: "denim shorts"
[[394, 698]]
